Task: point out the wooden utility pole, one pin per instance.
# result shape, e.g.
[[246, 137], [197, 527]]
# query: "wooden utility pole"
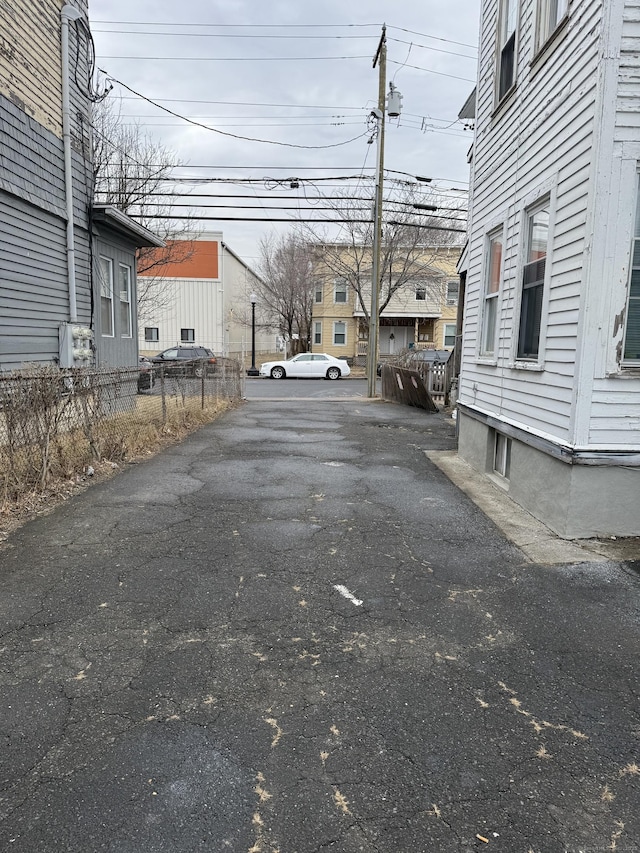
[[380, 59]]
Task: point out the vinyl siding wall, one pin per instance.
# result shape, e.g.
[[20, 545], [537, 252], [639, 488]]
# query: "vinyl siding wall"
[[614, 417], [537, 143], [33, 276]]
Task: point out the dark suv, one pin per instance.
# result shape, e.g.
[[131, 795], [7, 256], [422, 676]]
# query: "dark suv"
[[186, 361]]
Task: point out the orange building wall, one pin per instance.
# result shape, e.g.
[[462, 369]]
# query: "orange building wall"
[[190, 259]]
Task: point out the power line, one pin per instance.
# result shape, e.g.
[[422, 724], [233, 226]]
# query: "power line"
[[297, 37], [233, 58], [291, 221], [437, 38], [232, 135]]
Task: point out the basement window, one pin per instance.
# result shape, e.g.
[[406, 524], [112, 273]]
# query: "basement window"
[[502, 455]]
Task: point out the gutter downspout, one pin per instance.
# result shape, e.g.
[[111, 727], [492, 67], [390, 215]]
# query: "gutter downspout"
[[68, 13]]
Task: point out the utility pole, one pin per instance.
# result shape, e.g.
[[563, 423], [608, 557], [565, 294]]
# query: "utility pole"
[[380, 59]]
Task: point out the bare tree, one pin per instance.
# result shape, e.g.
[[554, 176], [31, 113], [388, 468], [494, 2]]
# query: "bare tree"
[[409, 248], [133, 173], [287, 284]]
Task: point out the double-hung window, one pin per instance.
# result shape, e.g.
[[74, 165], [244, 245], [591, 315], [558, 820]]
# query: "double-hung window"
[[491, 295], [631, 348], [550, 13], [340, 291], [106, 296], [421, 292], [533, 275], [453, 289], [449, 334], [125, 300], [507, 27], [339, 333], [317, 333], [317, 293]]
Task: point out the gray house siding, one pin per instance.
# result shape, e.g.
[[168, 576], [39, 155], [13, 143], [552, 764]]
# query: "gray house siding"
[[119, 349], [34, 295]]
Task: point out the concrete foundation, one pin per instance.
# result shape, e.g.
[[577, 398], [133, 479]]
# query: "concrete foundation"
[[575, 501]]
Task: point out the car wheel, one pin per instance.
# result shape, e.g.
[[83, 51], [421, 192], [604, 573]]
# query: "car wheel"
[[198, 372], [333, 373], [278, 373]]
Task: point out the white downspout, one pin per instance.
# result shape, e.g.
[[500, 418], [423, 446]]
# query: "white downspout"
[[68, 13]]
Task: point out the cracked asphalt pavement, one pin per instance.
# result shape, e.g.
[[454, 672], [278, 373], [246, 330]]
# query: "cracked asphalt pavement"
[[292, 634]]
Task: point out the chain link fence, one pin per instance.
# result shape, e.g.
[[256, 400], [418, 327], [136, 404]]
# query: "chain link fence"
[[56, 424]]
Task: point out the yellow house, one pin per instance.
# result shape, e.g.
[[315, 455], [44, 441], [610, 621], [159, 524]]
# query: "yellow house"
[[421, 313]]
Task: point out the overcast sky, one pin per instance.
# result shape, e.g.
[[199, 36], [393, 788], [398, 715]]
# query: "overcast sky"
[[292, 72]]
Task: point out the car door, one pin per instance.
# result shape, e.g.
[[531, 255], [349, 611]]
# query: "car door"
[[319, 366], [300, 366]]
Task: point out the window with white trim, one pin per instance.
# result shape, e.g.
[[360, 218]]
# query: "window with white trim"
[[340, 291], [421, 292], [502, 455], [317, 296], [449, 334], [125, 300], [533, 275], [507, 29], [151, 333], [550, 14], [317, 333], [339, 334], [631, 346], [493, 278], [106, 296], [453, 290]]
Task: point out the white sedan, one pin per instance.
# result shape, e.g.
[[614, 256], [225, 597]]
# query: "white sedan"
[[306, 365]]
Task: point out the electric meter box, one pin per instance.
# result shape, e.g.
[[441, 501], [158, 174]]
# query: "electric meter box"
[[75, 345]]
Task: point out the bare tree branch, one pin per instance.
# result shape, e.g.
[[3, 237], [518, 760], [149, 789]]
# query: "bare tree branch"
[[130, 167]]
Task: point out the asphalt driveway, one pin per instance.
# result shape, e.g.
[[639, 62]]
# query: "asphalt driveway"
[[292, 634]]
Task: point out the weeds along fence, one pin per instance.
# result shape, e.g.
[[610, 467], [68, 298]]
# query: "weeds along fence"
[[56, 423]]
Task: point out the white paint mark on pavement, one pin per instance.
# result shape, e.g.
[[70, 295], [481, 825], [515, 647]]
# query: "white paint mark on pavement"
[[349, 595]]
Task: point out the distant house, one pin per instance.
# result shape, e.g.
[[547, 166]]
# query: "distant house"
[[50, 296], [421, 313], [201, 293], [549, 397]]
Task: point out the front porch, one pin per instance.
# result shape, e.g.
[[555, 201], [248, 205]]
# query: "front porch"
[[397, 334]]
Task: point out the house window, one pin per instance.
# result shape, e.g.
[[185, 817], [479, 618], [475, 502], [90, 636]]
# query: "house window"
[[491, 293], [453, 289], [631, 349], [317, 333], [537, 236], [340, 292], [106, 296], [507, 46], [550, 13], [502, 455], [449, 334], [125, 300], [317, 297], [151, 333], [339, 334], [421, 292], [188, 336]]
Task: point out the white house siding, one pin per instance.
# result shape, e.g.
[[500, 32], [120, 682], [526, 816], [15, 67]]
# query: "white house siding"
[[218, 310], [539, 142], [614, 421]]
